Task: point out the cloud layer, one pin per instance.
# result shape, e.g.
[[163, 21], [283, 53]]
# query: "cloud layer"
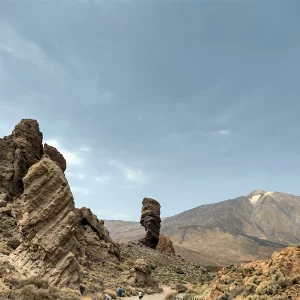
[[200, 105]]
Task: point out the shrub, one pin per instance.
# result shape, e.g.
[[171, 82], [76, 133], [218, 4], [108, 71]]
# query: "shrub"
[[13, 243], [4, 266], [33, 293], [282, 282], [249, 289], [181, 288], [238, 290], [224, 297], [35, 281]]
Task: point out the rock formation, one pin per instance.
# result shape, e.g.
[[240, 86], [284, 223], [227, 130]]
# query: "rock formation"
[[143, 275], [58, 242], [150, 220], [165, 245], [18, 152], [56, 156], [94, 238], [276, 278], [49, 247]]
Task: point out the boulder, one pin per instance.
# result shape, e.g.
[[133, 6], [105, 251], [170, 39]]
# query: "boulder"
[[150, 220], [5, 197], [6, 211], [48, 245], [3, 203], [56, 156], [165, 245], [143, 275]]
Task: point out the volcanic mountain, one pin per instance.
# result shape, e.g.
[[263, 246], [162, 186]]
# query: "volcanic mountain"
[[232, 231]]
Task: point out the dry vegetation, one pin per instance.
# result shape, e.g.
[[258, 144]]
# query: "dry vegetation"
[[275, 279]]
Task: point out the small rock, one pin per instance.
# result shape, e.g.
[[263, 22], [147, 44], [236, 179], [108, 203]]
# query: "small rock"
[[6, 211], [3, 203]]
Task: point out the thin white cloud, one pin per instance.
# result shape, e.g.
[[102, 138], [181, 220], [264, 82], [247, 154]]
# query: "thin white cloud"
[[24, 50], [81, 191], [103, 179], [222, 132], [130, 174], [75, 175], [72, 157], [84, 149]]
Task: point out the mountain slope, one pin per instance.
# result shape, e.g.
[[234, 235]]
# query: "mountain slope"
[[232, 231]]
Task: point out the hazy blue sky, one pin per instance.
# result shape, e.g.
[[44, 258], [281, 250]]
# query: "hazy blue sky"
[[189, 102]]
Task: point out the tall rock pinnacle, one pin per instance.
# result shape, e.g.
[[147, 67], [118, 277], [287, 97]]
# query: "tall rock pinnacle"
[[150, 220], [49, 247]]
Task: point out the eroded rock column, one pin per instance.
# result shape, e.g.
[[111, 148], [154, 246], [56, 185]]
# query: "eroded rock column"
[[150, 220], [48, 226]]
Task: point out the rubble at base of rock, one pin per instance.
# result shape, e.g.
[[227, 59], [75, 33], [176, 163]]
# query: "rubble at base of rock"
[[165, 245]]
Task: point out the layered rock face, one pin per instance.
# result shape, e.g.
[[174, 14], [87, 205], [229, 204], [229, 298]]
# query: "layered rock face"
[[18, 152], [165, 245], [150, 220], [49, 247], [57, 240], [96, 244], [56, 156]]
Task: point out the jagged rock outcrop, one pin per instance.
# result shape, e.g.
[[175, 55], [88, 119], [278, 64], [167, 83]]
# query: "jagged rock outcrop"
[[18, 152], [276, 278], [150, 220], [56, 156], [143, 275], [96, 243], [165, 245], [49, 247]]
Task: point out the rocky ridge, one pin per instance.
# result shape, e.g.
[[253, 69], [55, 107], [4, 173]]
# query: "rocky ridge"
[[277, 278]]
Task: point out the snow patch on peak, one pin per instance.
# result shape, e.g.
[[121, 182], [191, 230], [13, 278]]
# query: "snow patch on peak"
[[256, 193], [254, 199]]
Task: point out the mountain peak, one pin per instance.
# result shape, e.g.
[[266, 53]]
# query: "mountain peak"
[[256, 195], [257, 192]]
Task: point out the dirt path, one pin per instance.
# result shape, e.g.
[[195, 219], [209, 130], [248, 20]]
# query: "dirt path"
[[166, 290]]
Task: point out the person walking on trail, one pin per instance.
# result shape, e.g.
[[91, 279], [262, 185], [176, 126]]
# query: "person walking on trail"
[[141, 295], [120, 292]]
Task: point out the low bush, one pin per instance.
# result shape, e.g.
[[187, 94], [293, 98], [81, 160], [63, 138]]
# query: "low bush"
[[180, 287], [13, 243], [33, 293], [238, 290]]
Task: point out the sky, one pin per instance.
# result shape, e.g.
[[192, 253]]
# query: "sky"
[[188, 102]]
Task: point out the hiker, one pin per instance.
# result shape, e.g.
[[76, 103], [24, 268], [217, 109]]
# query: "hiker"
[[120, 292], [140, 295]]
